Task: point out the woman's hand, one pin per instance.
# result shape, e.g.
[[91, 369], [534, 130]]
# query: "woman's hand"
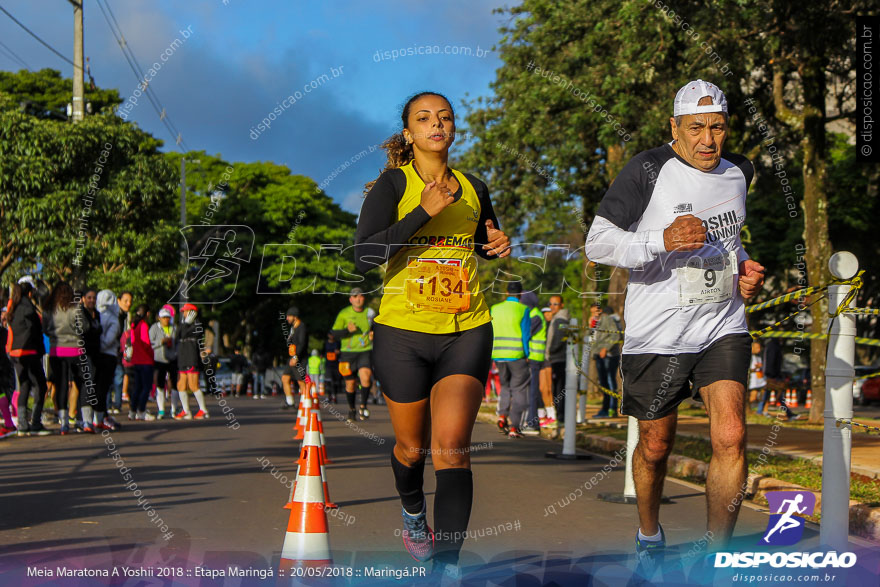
[[435, 197], [499, 243]]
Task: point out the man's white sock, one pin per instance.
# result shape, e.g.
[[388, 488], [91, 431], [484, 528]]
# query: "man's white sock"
[[655, 538], [200, 397]]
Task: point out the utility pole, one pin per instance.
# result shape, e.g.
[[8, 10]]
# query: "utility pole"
[[183, 252], [78, 64]]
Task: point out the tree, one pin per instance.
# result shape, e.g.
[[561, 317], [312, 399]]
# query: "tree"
[[290, 217], [85, 203], [45, 94], [574, 72]]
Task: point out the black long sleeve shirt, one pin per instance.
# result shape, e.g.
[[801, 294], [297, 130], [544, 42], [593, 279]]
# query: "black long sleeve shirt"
[[379, 237]]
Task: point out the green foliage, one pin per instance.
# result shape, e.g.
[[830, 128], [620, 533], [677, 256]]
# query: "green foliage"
[[45, 94], [548, 156], [85, 202], [290, 217]]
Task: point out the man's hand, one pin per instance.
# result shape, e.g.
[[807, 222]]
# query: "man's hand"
[[499, 243], [602, 353], [751, 278], [352, 327], [687, 233], [292, 361]]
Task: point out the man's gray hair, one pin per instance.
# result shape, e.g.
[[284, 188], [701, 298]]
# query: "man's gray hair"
[[678, 119]]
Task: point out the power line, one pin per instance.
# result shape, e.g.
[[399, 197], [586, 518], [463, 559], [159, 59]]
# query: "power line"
[[14, 57], [165, 118], [34, 35], [128, 53]]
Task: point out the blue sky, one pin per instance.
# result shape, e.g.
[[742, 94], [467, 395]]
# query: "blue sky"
[[244, 57]]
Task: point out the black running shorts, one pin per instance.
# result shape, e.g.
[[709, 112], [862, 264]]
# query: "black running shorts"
[[351, 363], [409, 363], [296, 373], [654, 385]]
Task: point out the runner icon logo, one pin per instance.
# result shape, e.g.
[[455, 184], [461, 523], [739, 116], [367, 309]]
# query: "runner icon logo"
[[785, 527]]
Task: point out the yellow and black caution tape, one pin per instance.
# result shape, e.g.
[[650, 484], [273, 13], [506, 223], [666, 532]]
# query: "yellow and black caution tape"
[[788, 334], [868, 376], [801, 293], [605, 390], [862, 311], [848, 422], [811, 335], [611, 331], [856, 283]]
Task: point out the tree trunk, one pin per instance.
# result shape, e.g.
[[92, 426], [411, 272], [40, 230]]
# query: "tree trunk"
[[815, 207]]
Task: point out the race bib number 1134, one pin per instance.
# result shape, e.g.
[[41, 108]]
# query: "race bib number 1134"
[[438, 287]]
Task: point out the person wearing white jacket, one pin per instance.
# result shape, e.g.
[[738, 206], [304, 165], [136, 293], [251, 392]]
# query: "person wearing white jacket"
[[163, 339], [108, 311]]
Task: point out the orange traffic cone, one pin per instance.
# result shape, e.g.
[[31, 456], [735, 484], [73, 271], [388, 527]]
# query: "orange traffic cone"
[[307, 542], [313, 439], [809, 403], [773, 398], [325, 460], [302, 418], [794, 401]]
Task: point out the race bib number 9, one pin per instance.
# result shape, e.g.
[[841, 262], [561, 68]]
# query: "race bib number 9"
[[705, 280], [438, 287]]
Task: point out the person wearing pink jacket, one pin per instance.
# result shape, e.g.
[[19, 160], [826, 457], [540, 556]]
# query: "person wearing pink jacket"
[[137, 352]]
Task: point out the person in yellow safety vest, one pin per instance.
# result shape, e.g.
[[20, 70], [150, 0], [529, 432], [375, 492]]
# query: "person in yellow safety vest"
[[512, 329], [537, 347], [316, 368]]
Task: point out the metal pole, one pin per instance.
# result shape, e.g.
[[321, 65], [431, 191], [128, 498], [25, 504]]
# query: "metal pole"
[[571, 380], [837, 436], [78, 65], [570, 390], [183, 251]]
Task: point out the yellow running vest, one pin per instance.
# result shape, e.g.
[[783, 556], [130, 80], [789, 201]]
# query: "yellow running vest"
[[431, 285]]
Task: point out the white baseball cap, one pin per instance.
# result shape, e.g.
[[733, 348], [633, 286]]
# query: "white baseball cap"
[[691, 93], [164, 313], [28, 279]]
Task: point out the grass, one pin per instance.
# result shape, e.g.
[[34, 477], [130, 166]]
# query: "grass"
[[785, 468]]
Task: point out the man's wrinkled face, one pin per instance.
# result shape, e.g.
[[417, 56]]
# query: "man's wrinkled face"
[[700, 138]]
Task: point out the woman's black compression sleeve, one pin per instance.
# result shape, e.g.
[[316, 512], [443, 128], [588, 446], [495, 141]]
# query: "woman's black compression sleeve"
[[378, 237], [487, 213]]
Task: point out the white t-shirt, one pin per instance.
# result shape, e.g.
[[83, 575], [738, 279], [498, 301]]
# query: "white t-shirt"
[[676, 302]]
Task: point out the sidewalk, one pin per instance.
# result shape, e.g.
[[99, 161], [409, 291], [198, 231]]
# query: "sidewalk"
[[797, 442]]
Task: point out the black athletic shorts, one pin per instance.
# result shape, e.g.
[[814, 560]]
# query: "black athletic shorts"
[[297, 373], [409, 363], [355, 362], [654, 385], [164, 370]]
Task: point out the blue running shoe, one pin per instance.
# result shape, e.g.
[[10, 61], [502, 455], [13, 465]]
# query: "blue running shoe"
[[651, 555], [418, 538]]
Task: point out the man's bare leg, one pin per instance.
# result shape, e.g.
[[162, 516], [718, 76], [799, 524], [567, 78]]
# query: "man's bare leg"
[[656, 438], [725, 402]]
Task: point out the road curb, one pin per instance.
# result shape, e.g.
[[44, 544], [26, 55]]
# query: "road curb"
[[864, 519]]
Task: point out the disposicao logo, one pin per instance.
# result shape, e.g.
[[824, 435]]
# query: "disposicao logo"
[[784, 528]]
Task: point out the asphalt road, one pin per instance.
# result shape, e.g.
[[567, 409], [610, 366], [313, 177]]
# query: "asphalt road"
[[64, 502]]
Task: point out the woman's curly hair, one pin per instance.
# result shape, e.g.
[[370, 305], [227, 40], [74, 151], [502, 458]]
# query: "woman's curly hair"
[[398, 151]]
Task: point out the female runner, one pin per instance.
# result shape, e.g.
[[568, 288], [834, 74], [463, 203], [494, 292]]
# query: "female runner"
[[433, 333]]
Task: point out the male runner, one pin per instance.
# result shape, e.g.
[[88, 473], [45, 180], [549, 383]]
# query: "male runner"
[[673, 216], [298, 349], [354, 330]]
